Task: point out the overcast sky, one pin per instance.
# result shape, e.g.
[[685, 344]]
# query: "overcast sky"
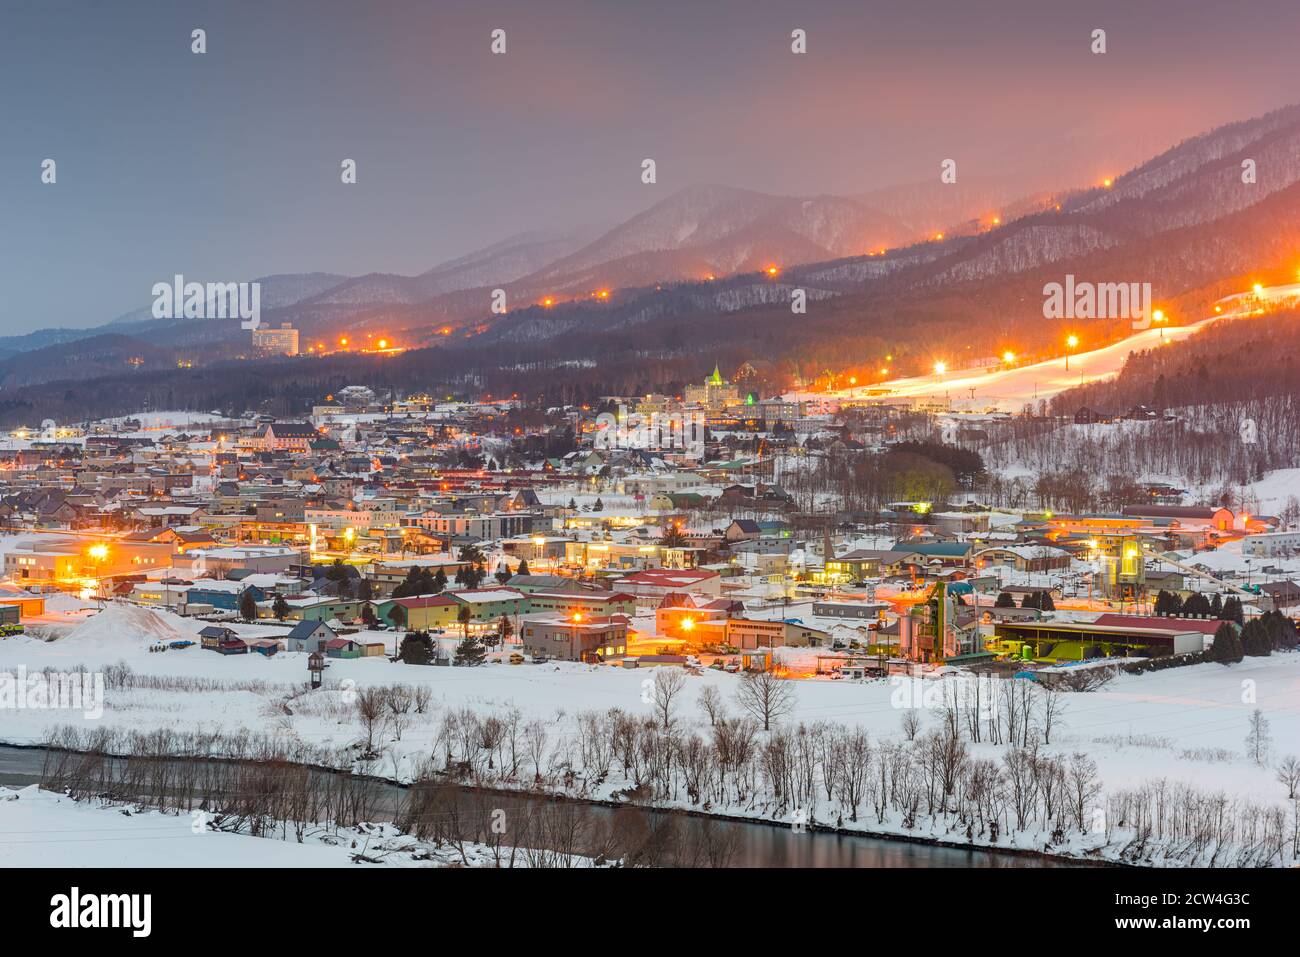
[[225, 166]]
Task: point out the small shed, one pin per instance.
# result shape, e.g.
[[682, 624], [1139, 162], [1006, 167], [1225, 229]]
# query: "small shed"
[[342, 648]]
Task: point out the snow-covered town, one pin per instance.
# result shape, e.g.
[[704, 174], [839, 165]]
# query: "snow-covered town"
[[416, 591], [635, 441]]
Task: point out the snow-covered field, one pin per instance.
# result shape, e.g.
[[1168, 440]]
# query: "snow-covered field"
[[42, 829], [1181, 725]]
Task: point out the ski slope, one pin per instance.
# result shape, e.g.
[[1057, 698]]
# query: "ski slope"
[[1010, 389]]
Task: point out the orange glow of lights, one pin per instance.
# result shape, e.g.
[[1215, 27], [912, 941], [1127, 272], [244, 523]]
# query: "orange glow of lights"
[[938, 236], [1107, 182], [688, 624], [577, 616], [1072, 341], [940, 368], [772, 270], [1008, 357], [343, 342], [604, 294], [548, 302], [383, 343]]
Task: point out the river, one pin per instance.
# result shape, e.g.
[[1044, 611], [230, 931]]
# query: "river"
[[758, 845]]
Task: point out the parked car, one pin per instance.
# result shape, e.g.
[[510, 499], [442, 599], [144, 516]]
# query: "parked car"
[[186, 643], [538, 659]]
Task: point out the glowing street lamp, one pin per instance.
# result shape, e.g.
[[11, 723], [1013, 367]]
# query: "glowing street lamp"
[[940, 368], [1070, 344], [1160, 319], [1008, 357]]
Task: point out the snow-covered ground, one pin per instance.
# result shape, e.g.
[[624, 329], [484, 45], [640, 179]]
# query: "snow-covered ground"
[[1181, 725], [42, 829]]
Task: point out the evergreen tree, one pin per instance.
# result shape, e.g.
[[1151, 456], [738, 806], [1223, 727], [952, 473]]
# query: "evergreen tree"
[[503, 573], [1029, 600], [1227, 645], [247, 605], [463, 616], [523, 567], [1004, 600], [1232, 610], [368, 615], [416, 648], [439, 582], [470, 652], [280, 608], [397, 616], [1196, 606], [1256, 640], [410, 585], [1045, 602], [599, 506], [1216, 606]]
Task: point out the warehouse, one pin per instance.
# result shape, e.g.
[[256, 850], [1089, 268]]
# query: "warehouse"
[[1108, 636]]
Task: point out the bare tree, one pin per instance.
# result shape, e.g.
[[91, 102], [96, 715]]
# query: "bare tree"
[[765, 697], [1258, 740], [1053, 707], [1288, 775], [910, 720], [371, 703], [399, 702], [711, 703], [668, 684], [1084, 785]]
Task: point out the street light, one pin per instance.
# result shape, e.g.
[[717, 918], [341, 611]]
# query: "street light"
[[940, 368], [1160, 319], [1070, 343]]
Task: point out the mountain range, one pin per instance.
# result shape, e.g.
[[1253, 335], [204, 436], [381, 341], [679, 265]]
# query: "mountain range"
[[673, 279]]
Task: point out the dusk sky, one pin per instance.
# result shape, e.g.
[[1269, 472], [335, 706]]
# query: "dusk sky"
[[225, 166]]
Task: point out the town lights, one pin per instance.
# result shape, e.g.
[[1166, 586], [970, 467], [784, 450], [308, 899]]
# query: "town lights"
[[383, 343], [343, 342], [99, 552], [688, 624], [940, 368], [1008, 357], [1070, 343], [1160, 319], [772, 270], [1107, 182], [548, 302]]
